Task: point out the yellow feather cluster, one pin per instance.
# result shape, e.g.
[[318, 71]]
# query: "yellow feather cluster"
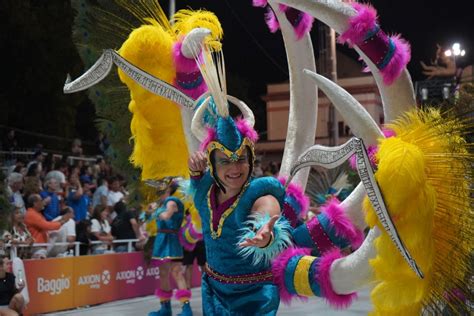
[[160, 148], [424, 174], [187, 20]]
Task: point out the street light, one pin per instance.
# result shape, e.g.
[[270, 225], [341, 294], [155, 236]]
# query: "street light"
[[455, 51]]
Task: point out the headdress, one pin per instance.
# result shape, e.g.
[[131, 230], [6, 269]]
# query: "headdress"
[[212, 123]]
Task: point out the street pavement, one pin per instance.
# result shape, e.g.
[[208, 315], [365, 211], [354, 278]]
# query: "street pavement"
[[143, 305]]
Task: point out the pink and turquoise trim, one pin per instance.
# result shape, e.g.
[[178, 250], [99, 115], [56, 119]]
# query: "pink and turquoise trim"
[[390, 54], [283, 269], [296, 203], [323, 278], [340, 223]]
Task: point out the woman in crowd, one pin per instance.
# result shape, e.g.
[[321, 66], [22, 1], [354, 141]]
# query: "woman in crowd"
[[101, 230]]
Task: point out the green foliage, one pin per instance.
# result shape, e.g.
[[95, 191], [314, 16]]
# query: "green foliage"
[[98, 27]]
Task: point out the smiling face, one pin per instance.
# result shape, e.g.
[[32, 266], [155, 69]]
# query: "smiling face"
[[232, 174]]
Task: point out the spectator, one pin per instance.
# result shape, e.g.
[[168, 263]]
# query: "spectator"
[[115, 194], [67, 233], [87, 177], [100, 194], [20, 234], [11, 301], [50, 199], [102, 143], [84, 236], [257, 169], [15, 184], [37, 223], [76, 148], [101, 230], [32, 181], [125, 226], [38, 158], [77, 199], [59, 176], [10, 142]]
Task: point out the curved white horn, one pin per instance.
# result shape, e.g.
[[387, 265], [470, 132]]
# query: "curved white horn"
[[356, 116], [303, 112], [350, 273], [193, 40], [197, 127], [399, 96], [246, 111]]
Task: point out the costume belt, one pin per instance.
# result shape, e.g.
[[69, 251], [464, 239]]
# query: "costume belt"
[[263, 276], [167, 231]]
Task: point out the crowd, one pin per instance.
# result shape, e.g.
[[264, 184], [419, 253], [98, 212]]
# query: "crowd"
[[59, 202]]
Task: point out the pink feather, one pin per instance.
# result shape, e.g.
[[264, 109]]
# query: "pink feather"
[[342, 225], [324, 280], [162, 294], [183, 293], [278, 269], [246, 130], [359, 25]]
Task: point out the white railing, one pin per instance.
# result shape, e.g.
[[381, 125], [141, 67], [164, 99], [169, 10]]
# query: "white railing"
[[77, 244]]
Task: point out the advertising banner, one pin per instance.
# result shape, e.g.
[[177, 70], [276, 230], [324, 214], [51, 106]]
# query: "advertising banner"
[[65, 283]]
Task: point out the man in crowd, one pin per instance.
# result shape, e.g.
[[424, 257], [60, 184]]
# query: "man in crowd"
[[37, 224], [50, 199], [15, 184]]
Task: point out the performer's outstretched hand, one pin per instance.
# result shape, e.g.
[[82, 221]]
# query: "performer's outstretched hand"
[[263, 236], [197, 162]]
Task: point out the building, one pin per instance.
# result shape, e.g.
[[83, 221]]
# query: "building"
[[358, 84]]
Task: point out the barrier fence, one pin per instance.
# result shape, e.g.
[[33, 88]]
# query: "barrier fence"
[[56, 284]]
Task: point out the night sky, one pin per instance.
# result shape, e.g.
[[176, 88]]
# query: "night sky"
[[423, 23], [38, 53]]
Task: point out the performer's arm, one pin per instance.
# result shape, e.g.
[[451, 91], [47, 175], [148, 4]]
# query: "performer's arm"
[[171, 208]]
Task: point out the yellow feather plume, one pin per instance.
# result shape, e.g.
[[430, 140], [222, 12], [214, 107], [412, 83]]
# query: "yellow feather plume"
[[425, 173], [187, 20]]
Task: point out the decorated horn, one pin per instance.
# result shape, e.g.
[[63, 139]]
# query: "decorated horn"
[[389, 69], [303, 110]]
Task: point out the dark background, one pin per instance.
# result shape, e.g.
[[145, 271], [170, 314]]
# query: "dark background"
[[38, 52]]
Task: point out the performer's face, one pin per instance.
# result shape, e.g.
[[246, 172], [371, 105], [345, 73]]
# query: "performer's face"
[[232, 174]]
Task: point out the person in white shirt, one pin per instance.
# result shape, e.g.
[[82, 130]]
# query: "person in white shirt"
[[15, 184], [101, 230], [67, 233]]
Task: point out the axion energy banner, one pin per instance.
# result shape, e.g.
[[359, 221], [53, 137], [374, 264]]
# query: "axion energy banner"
[[65, 283]]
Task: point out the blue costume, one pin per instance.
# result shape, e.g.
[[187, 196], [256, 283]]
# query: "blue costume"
[[232, 285], [167, 245]]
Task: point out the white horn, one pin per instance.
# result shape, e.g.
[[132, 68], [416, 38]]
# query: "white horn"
[[197, 126], [399, 96], [350, 273], [246, 111], [193, 41], [356, 116], [303, 112]]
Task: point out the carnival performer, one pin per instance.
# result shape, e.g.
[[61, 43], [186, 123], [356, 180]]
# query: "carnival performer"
[[169, 216], [246, 222]]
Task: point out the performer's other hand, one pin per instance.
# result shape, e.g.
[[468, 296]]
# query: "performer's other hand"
[[197, 162], [263, 236]]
